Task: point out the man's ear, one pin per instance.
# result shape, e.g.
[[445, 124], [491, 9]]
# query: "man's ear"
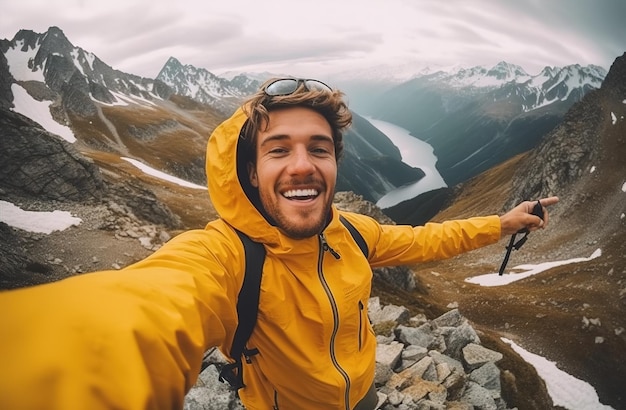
[[252, 175]]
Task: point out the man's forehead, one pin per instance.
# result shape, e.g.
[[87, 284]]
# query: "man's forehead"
[[294, 120]]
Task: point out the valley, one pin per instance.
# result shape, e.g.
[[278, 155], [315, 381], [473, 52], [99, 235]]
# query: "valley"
[[495, 146]]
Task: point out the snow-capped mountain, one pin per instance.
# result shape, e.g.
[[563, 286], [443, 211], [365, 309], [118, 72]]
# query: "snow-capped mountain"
[[480, 76], [550, 85], [205, 87], [50, 58]]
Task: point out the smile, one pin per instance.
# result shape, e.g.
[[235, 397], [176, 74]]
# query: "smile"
[[301, 194]]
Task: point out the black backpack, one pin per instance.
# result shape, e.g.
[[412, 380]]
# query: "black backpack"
[[248, 304]]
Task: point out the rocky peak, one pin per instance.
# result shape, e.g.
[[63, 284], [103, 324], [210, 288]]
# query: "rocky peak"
[[6, 79], [615, 81], [28, 39], [78, 75], [206, 87], [507, 72], [53, 42]]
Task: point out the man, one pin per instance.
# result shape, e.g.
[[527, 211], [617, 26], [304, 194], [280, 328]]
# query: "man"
[[135, 338]]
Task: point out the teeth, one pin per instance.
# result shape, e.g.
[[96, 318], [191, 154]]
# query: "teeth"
[[300, 193]]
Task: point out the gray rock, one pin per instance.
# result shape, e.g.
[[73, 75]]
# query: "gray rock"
[[476, 355], [460, 337], [425, 379], [389, 354], [488, 376], [40, 164], [479, 397], [208, 394], [451, 318], [421, 336]]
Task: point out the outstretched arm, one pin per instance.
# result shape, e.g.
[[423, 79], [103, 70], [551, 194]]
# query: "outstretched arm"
[[521, 217], [127, 339]]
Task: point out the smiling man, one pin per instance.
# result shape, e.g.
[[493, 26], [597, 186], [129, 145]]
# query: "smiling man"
[[135, 338]]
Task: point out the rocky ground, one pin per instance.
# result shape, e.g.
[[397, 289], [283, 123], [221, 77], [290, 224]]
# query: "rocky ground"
[[572, 315], [572, 309], [108, 237]]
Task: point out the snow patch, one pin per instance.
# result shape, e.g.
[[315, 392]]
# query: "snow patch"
[[18, 62], [33, 221], [39, 111], [613, 118], [162, 175], [123, 100], [564, 389], [494, 279]]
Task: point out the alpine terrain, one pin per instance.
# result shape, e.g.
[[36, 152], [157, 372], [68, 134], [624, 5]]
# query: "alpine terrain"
[[126, 155]]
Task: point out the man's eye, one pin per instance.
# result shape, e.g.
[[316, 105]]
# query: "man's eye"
[[277, 151], [320, 151]]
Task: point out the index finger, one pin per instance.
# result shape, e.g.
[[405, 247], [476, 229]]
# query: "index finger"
[[549, 201]]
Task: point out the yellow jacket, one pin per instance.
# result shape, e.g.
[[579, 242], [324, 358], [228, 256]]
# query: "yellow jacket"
[[134, 338]]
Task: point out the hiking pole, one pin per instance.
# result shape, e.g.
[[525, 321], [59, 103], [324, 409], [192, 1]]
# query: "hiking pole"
[[538, 211]]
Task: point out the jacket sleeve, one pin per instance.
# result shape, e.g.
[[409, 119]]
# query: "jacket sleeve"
[[131, 339], [404, 244]]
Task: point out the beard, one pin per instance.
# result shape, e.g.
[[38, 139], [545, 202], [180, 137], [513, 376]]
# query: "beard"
[[316, 225], [297, 223]]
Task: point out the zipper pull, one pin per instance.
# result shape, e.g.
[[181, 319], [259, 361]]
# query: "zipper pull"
[[326, 247]]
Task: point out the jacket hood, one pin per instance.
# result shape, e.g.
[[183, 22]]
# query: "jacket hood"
[[223, 168]]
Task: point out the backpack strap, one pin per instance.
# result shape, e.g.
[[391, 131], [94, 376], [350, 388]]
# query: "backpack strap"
[[356, 235], [247, 309]]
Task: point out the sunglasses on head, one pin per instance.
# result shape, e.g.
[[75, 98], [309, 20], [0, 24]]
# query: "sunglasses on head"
[[286, 86]]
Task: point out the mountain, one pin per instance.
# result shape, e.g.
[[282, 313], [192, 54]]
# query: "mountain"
[[205, 87], [164, 122], [78, 75], [478, 117]]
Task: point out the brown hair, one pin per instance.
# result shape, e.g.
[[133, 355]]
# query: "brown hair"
[[330, 105]]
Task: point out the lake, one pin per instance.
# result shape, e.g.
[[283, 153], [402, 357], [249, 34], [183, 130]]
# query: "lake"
[[415, 153]]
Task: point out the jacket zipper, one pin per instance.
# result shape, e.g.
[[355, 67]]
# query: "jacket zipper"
[[360, 324], [275, 407], [333, 304]]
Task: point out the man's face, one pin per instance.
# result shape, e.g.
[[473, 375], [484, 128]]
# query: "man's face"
[[296, 170]]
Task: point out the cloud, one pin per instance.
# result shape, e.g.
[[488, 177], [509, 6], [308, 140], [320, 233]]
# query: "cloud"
[[139, 36]]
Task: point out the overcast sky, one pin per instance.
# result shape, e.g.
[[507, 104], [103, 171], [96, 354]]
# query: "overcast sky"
[[316, 37]]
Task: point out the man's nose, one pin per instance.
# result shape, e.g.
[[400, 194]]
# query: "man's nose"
[[301, 161]]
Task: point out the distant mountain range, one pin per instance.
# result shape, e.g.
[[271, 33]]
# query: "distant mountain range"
[[478, 117], [474, 117]]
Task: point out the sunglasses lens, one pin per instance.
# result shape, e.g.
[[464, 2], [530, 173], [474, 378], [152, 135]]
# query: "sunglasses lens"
[[315, 85], [288, 86], [282, 87]]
